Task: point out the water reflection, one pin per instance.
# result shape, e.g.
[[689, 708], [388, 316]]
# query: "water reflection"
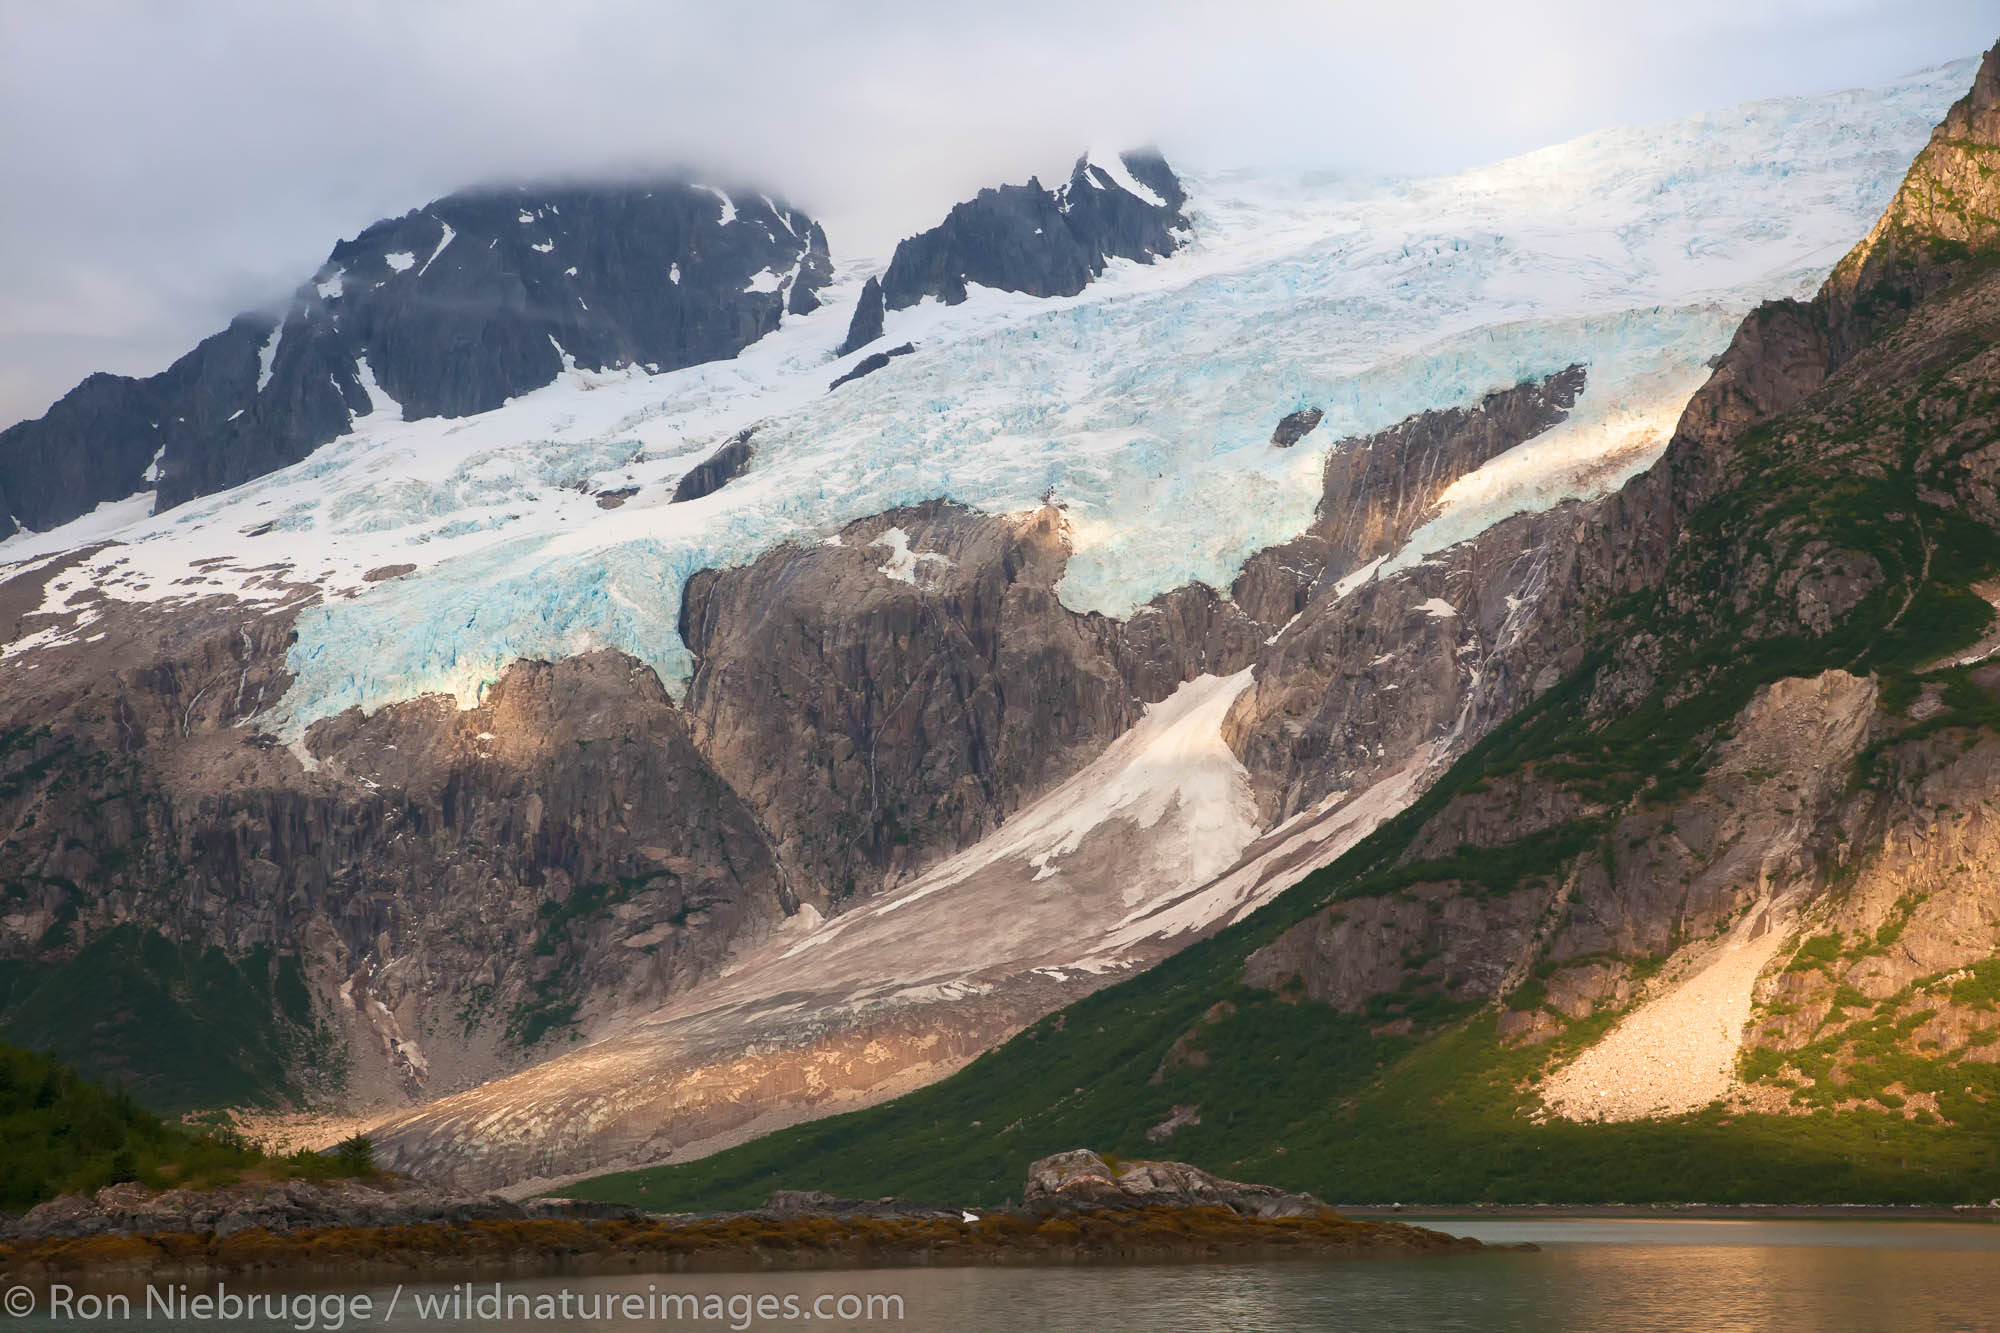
[[1592, 1277]]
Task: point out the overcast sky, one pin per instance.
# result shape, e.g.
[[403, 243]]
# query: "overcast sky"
[[167, 165]]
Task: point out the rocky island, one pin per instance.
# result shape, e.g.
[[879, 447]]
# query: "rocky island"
[[1077, 1208]]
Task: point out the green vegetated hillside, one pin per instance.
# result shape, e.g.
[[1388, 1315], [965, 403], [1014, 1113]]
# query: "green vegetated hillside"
[[62, 1133], [1844, 534], [180, 1026]]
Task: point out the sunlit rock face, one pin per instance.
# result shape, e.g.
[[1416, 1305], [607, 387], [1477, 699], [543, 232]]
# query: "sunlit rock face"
[[1945, 215]]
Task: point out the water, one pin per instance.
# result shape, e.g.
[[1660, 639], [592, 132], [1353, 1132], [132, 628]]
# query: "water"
[[1591, 1277]]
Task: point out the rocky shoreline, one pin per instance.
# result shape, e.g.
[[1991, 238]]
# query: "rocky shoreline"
[[1077, 1209]]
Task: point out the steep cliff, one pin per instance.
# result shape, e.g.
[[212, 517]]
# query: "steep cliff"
[[1943, 223]]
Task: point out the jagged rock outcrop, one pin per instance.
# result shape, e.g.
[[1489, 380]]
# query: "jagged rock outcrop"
[[813, 275], [1378, 489], [1295, 426], [869, 364], [446, 311], [865, 325], [1030, 238], [717, 470], [929, 676], [1365, 673]]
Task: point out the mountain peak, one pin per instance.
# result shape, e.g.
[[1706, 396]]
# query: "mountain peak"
[[1034, 239], [448, 310], [1945, 213]]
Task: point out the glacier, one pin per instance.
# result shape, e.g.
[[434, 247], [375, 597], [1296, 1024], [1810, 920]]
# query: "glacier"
[[1144, 405]]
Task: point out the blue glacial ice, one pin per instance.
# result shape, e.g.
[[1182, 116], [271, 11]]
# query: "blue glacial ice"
[[1145, 404]]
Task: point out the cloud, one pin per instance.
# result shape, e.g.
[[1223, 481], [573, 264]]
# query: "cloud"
[[169, 165]]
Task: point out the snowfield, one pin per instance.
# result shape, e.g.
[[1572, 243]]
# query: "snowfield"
[[1145, 404]]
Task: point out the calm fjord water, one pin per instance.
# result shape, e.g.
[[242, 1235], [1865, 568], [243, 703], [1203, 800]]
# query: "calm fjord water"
[[1591, 1276]]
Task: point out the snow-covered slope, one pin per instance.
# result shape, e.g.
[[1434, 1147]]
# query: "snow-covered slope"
[[1145, 404]]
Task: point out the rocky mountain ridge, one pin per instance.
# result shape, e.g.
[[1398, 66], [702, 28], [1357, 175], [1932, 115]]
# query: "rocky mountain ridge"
[[449, 310], [1034, 239]]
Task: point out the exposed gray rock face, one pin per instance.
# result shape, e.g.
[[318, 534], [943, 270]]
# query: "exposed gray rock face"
[[1295, 426], [94, 444], [1376, 491], [446, 311], [717, 470], [1029, 238], [865, 326], [868, 365], [1379, 489], [1079, 1179], [814, 273], [1424, 663], [929, 676]]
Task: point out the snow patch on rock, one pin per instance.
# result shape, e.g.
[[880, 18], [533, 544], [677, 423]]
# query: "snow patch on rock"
[[267, 355], [902, 564], [443, 240]]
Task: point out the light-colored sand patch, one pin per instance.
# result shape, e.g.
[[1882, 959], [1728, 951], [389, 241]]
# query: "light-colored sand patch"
[[1677, 1051], [289, 1131]]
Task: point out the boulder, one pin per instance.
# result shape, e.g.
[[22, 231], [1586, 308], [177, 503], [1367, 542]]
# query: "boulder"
[[1081, 1180]]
